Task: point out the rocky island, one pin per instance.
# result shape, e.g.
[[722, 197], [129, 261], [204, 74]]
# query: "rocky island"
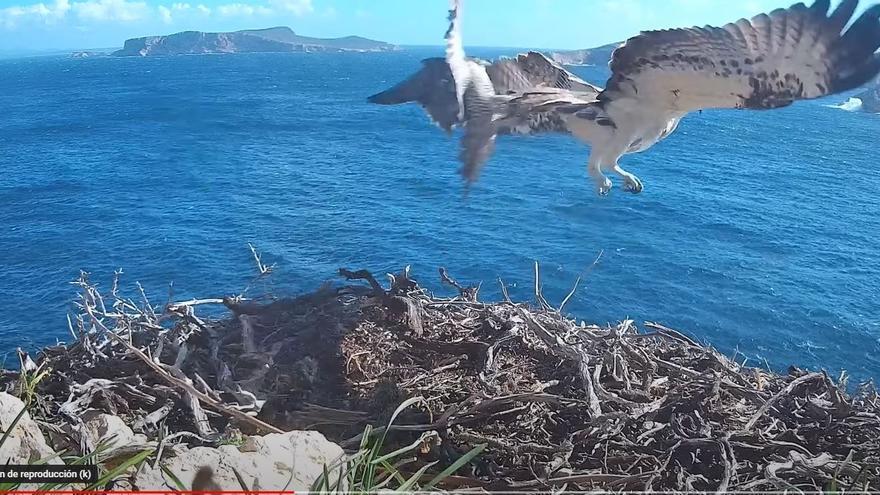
[[276, 39], [87, 54], [589, 56]]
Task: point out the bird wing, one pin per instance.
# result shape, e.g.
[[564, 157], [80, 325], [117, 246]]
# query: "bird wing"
[[767, 62], [432, 87], [510, 96], [540, 111], [531, 71]]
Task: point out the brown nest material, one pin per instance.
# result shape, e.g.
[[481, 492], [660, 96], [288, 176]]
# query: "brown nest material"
[[558, 404]]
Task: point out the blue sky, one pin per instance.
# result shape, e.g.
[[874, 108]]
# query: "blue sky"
[[64, 24]]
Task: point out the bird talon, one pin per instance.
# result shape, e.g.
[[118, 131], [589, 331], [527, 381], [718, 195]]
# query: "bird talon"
[[632, 184], [605, 187]]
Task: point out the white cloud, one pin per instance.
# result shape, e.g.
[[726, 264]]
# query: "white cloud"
[[632, 11], [48, 14], [242, 10], [297, 7], [165, 14], [111, 10], [93, 11], [754, 6], [168, 14]]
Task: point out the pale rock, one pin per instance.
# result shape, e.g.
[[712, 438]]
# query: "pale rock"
[[111, 430], [292, 461], [25, 443]]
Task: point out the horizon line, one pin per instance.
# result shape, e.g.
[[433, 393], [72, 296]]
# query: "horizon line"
[[55, 51]]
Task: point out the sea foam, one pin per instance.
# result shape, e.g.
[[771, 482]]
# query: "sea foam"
[[850, 105]]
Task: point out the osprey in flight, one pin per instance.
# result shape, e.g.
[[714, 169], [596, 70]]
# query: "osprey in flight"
[[657, 77]]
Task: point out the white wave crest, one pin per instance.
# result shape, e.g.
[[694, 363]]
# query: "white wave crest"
[[850, 105]]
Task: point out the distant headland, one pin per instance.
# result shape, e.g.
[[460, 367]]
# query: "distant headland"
[[275, 39], [588, 56]]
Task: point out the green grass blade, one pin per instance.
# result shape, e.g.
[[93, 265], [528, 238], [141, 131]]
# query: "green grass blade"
[[327, 477], [394, 473], [400, 451], [174, 479], [92, 457], [113, 473], [45, 460], [348, 468], [365, 438], [398, 411], [289, 478], [370, 468], [13, 424], [409, 484], [240, 479], [70, 461], [338, 485], [318, 485], [368, 477], [461, 461]]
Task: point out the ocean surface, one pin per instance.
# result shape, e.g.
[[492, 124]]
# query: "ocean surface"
[[757, 232]]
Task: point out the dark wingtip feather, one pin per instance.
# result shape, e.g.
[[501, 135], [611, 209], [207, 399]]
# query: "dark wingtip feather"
[[821, 7], [378, 98], [863, 75], [416, 87], [865, 30], [466, 190], [476, 148], [390, 97], [858, 63], [843, 13], [405, 91]]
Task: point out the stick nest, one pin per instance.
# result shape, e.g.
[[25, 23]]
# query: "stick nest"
[[558, 404]]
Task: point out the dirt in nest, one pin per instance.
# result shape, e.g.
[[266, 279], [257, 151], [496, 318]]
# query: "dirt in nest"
[[558, 403]]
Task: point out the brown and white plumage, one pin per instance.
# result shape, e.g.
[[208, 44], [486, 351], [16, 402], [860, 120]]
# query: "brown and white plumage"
[[769, 62], [533, 70], [475, 94], [497, 97], [658, 77]]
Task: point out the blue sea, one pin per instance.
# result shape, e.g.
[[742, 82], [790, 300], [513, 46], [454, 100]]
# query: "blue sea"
[[757, 232]]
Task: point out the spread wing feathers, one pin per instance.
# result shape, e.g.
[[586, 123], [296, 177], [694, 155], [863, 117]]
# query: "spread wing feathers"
[[531, 71], [510, 96], [487, 99], [767, 62], [432, 87]]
